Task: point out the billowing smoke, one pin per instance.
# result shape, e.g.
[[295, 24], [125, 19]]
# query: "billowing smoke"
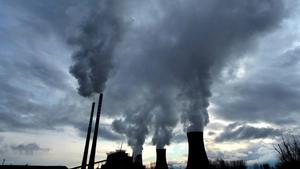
[[164, 120], [179, 47], [148, 114], [135, 127], [168, 59], [95, 41], [193, 40]]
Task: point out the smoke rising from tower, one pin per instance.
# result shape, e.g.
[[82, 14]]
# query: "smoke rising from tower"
[[168, 59], [95, 41]]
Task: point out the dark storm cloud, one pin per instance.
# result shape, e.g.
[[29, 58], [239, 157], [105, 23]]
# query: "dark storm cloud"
[[270, 92], [237, 131], [28, 149]]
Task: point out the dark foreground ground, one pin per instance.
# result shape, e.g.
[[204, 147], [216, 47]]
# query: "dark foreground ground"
[[31, 167]]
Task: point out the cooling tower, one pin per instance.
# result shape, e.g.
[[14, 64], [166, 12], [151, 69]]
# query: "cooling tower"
[[161, 161], [197, 158], [138, 160]]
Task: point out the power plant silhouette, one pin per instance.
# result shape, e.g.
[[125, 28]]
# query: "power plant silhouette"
[[197, 158]]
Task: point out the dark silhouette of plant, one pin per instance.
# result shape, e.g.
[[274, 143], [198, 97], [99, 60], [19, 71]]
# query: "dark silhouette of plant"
[[288, 152]]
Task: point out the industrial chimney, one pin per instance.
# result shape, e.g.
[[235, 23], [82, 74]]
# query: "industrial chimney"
[[87, 141], [197, 158], [93, 149], [161, 162]]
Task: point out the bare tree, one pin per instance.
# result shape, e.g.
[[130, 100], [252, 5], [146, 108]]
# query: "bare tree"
[[288, 152], [221, 164], [261, 166]]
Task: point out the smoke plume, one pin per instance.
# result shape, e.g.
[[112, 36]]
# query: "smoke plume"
[[180, 49], [169, 57], [95, 42]]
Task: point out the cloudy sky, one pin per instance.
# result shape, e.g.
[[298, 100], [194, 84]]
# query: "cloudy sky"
[[165, 67]]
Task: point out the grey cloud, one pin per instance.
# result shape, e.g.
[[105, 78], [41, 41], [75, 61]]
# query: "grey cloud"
[[19, 113], [255, 152], [28, 149], [105, 132], [24, 65], [47, 17], [2, 150], [178, 138], [290, 58], [268, 93], [108, 134], [259, 152], [37, 91], [34, 82], [22, 109], [285, 121], [237, 131], [26, 106]]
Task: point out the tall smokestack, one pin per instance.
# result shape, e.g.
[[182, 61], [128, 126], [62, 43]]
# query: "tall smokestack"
[[87, 141], [93, 150], [197, 155], [161, 162]]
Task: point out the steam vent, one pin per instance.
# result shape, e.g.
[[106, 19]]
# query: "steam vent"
[[197, 158], [161, 162]]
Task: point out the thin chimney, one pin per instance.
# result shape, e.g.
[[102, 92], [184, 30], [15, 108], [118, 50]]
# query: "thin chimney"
[[87, 141], [197, 155], [93, 150], [161, 161]]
